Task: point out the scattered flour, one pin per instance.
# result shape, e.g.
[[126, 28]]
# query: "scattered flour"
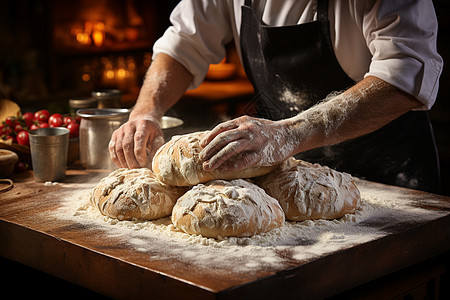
[[50, 183], [380, 212]]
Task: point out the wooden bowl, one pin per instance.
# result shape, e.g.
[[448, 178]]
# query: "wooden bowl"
[[8, 160]]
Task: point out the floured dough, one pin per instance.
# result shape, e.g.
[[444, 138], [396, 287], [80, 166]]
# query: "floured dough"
[[309, 191], [134, 194], [235, 208], [177, 163]]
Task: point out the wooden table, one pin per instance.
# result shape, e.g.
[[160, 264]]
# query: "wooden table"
[[94, 257]]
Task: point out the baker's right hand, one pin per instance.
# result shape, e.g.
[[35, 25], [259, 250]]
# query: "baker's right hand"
[[134, 144]]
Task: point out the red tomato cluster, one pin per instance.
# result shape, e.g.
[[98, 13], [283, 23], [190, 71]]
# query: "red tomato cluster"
[[16, 127]]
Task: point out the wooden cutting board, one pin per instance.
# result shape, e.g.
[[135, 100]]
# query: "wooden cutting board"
[[41, 227]]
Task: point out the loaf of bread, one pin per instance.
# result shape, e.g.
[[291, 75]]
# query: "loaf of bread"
[[219, 208], [177, 163], [134, 194], [309, 191]]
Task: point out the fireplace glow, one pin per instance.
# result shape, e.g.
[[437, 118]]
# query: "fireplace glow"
[[98, 34]]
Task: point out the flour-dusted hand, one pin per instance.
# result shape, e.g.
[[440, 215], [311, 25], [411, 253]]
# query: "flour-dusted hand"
[[134, 143], [245, 142]]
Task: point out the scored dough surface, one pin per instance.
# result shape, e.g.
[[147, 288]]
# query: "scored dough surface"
[[309, 191], [222, 208], [177, 163], [134, 194]]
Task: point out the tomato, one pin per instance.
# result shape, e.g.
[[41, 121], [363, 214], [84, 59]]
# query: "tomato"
[[6, 131], [23, 138], [11, 121], [41, 115], [67, 120], [28, 118], [18, 128], [34, 126], [55, 120], [74, 128], [43, 125]]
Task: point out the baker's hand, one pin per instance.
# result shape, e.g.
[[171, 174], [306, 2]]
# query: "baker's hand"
[[134, 144], [245, 142]]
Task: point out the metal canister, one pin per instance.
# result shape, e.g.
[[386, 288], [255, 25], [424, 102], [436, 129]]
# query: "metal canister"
[[170, 126], [82, 103], [108, 98], [96, 128]]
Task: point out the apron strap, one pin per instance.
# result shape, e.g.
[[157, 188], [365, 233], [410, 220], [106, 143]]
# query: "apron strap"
[[322, 10]]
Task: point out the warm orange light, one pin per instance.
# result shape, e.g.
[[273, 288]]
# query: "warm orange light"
[[100, 26], [110, 74], [98, 37], [108, 65], [85, 77], [121, 73], [131, 66], [83, 38], [98, 33]]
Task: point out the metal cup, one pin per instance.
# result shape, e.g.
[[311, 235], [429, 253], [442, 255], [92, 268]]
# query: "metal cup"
[[96, 129], [49, 147]]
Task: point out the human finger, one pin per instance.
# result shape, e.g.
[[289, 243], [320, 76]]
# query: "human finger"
[[128, 151], [220, 142], [226, 153], [115, 149], [222, 127], [241, 161], [112, 152], [141, 139]]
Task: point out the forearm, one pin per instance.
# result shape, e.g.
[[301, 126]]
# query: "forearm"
[[364, 108], [134, 143], [164, 84], [246, 141]]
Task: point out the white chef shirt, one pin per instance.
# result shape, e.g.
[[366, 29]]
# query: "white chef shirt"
[[393, 40]]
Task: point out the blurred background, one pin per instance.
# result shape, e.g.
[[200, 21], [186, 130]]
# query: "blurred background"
[[52, 51]]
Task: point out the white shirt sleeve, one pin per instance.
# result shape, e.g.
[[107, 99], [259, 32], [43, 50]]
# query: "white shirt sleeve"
[[391, 39], [198, 35], [401, 36]]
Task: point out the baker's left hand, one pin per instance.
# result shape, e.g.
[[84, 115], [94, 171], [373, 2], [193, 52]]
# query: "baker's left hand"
[[245, 142]]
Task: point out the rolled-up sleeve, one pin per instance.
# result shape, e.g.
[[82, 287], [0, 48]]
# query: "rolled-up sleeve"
[[401, 36], [198, 35]]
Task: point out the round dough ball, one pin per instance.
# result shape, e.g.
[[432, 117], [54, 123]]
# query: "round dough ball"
[[222, 208], [309, 191], [177, 163], [134, 194]]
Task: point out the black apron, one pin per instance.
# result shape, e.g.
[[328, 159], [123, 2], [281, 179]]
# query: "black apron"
[[294, 67]]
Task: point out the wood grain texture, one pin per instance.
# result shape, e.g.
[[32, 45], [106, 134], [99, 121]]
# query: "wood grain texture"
[[84, 255]]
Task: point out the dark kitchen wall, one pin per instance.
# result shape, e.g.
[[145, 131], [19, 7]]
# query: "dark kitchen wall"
[[42, 60], [440, 113]]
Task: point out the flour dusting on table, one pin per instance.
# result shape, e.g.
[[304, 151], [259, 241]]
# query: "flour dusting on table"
[[382, 212]]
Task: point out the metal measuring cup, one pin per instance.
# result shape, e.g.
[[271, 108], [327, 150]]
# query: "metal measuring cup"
[[49, 148]]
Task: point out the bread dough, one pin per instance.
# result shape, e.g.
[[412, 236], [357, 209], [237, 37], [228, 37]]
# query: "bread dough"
[[222, 208], [177, 163], [309, 191], [134, 194]]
